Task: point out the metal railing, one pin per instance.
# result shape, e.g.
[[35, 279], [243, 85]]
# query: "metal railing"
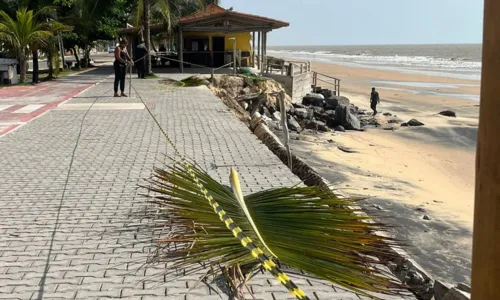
[[285, 67], [330, 80]]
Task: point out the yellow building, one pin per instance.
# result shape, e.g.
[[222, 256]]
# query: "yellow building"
[[208, 37]]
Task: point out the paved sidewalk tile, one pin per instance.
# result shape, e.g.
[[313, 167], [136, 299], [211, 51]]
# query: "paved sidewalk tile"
[[93, 244]]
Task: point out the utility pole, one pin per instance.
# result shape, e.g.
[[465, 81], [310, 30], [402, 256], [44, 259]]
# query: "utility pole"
[[486, 242]]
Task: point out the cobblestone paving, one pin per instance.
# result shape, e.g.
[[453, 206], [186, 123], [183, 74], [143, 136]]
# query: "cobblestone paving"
[[92, 244]]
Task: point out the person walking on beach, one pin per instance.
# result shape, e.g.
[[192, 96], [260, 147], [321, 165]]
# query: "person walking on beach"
[[122, 60], [374, 100]]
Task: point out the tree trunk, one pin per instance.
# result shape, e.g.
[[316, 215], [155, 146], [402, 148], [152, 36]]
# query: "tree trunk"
[[486, 245], [22, 67], [147, 37], [35, 66], [50, 64], [75, 53]]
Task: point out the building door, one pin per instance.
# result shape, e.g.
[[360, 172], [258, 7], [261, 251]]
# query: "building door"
[[218, 47]]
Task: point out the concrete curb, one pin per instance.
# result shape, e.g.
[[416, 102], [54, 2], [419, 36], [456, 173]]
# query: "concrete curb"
[[397, 260]]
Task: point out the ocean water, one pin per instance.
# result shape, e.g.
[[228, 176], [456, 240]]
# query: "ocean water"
[[461, 61]]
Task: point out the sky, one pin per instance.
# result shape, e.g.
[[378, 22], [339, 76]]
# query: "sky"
[[369, 22]]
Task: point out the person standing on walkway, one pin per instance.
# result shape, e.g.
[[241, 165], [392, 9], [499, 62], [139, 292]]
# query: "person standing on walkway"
[[122, 60], [140, 58], [374, 100]]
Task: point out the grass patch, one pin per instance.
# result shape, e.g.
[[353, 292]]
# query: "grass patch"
[[193, 81]]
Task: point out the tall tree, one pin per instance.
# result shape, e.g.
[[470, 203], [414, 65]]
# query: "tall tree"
[[21, 33]]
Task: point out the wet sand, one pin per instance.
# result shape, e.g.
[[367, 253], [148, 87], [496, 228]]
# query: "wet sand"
[[410, 172]]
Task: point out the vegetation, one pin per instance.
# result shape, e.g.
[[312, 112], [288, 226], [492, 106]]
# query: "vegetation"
[[282, 222]]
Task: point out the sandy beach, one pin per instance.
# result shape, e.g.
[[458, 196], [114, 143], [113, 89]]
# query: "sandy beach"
[[410, 172]]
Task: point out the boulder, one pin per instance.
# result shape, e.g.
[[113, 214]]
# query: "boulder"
[[272, 108], [456, 294], [298, 105], [404, 124], [319, 113], [326, 93], [448, 113], [369, 121], [277, 116], [346, 118], [387, 114], [334, 101], [440, 290], [415, 122], [331, 121], [340, 128], [464, 287], [354, 109], [393, 121], [265, 112], [304, 113], [314, 100], [293, 124]]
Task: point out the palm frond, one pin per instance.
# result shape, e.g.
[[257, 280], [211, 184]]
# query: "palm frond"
[[284, 222]]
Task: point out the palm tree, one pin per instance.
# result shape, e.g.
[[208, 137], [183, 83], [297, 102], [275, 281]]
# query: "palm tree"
[[23, 33], [166, 11]]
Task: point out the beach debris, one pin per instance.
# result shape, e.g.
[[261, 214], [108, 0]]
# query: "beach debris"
[[415, 122], [426, 217], [347, 149], [346, 118], [387, 114], [377, 206], [340, 128], [314, 99], [437, 201], [448, 113], [293, 124]]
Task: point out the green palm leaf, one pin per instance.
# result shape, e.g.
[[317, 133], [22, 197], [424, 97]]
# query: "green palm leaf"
[[282, 222]]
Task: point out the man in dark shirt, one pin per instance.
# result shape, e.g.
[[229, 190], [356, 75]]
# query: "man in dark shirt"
[[374, 100]]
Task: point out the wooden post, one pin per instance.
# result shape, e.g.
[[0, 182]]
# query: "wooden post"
[[259, 64], [285, 127], [181, 51], [264, 50], [253, 49], [486, 238]]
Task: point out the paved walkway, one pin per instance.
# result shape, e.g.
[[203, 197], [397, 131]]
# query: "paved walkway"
[[21, 104], [92, 244]]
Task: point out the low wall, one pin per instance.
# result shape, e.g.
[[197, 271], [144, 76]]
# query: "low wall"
[[297, 86]]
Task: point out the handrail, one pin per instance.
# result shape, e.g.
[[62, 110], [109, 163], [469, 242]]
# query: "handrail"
[[335, 83]]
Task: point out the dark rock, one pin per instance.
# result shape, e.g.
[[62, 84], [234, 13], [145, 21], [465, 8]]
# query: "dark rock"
[[340, 128], [387, 114], [464, 287], [347, 149], [421, 209], [440, 290], [369, 121], [388, 128], [315, 125], [272, 108], [404, 124], [304, 113], [293, 124], [297, 138], [456, 294], [415, 122], [314, 100], [448, 113], [331, 141], [334, 101], [265, 112], [298, 105], [346, 118], [393, 121], [426, 217], [326, 93], [354, 109], [319, 113]]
